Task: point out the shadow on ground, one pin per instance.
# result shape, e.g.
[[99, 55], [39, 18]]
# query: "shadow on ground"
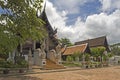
[[19, 78]]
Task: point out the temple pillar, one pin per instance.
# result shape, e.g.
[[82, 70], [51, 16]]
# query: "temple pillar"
[[83, 61], [30, 60], [20, 47], [59, 61], [39, 57], [46, 46], [34, 45], [36, 59], [58, 53]]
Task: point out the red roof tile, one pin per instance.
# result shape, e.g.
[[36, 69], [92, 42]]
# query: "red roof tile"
[[77, 48]]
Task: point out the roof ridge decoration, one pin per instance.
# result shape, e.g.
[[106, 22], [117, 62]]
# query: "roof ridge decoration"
[[44, 6], [85, 47], [44, 17], [51, 32]]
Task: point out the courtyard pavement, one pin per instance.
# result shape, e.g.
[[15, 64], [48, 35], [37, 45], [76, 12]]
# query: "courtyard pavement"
[[107, 73]]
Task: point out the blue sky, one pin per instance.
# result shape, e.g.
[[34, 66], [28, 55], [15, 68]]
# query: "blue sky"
[[88, 8], [1, 11]]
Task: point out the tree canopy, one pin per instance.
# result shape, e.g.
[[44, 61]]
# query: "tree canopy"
[[19, 22], [98, 51], [115, 50], [66, 42]]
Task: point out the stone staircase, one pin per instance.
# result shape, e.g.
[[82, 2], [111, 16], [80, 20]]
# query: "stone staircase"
[[51, 65]]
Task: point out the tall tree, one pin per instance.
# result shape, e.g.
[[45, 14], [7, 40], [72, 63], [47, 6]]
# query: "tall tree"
[[66, 42], [19, 23]]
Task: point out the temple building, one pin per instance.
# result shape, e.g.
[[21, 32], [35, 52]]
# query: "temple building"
[[96, 42], [46, 54], [80, 49]]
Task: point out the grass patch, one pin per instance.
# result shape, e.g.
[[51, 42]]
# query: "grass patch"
[[72, 64]]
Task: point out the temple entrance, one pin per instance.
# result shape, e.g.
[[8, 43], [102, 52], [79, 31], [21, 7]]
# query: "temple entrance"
[[37, 45]]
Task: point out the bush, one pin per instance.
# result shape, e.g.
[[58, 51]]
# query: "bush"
[[4, 56], [73, 64], [87, 57], [69, 59], [6, 64], [119, 62], [77, 64], [21, 63], [1, 63]]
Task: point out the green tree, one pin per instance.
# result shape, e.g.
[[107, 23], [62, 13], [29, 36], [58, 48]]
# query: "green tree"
[[110, 55], [66, 42], [76, 56], [115, 50], [19, 23], [98, 51], [87, 57]]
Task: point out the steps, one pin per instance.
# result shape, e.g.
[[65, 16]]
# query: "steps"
[[36, 67], [51, 65]]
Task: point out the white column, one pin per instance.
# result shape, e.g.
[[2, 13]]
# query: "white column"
[[83, 60], [30, 59]]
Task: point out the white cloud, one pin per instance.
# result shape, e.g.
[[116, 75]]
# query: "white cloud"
[[103, 24], [109, 5], [95, 25], [58, 20], [71, 6]]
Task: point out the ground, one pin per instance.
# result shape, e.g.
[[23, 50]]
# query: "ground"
[[108, 73]]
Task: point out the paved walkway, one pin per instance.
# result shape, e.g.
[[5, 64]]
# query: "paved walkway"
[[38, 71]]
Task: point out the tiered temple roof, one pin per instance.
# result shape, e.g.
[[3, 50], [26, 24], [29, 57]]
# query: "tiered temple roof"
[[96, 42], [50, 31]]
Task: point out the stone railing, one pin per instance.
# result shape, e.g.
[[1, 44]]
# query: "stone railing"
[[52, 56]]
